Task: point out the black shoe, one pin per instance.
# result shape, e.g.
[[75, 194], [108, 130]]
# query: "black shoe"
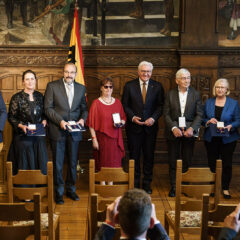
[[136, 185], [73, 196], [9, 25], [27, 24], [59, 200], [226, 196], [148, 190], [172, 192]]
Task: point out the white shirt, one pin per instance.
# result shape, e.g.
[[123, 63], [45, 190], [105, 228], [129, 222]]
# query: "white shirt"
[[66, 88], [182, 100], [141, 84]]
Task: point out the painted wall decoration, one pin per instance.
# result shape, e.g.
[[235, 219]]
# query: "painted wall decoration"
[[229, 23], [104, 22]]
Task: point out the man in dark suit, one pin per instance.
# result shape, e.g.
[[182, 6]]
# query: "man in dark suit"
[[183, 114], [137, 218], [65, 101], [3, 118], [142, 101]]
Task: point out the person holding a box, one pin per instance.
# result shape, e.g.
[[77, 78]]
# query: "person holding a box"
[[106, 117], [26, 115], [221, 121]]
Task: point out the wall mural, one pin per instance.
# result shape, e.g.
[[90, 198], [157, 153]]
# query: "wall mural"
[[103, 22], [229, 23]]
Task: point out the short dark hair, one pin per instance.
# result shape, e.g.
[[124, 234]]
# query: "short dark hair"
[[106, 80], [135, 209], [28, 71], [70, 63]]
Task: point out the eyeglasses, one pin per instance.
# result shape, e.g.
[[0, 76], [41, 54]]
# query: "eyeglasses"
[[218, 87], [143, 71], [106, 87], [66, 72], [185, 78]]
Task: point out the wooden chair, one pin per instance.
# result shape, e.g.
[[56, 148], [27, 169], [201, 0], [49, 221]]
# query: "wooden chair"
[[212, 220], [102, 195], [98, 215], [122, 181], [27, 182], [12, 213], [188, 202]]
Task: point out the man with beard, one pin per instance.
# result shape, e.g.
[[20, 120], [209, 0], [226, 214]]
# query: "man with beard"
[[65, 101]]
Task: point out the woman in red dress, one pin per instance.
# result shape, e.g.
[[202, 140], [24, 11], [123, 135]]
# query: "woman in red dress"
[[106, 137]]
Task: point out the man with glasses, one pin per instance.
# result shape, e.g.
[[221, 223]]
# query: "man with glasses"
[[183, 115], [65, 101], [143, 100]]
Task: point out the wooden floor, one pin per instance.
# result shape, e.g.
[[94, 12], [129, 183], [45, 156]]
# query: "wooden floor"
[[73, 223]]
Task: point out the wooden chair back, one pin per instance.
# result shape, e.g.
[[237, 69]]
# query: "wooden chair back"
[[212, 220], [122, 181], [189, 189], [98, 215], [11, 212], [25, 183], [101, 195]]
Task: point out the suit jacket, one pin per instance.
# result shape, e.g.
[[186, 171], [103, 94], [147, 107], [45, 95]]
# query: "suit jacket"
[[230, 115], [3, 116], [57, 108], [172, 111], [228, 234], [156, 233], [133, 104]]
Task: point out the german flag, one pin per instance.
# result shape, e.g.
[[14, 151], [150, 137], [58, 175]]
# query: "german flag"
[[75, 50]]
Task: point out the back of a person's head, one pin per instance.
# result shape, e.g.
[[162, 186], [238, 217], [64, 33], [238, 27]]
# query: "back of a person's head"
[[135, 210]]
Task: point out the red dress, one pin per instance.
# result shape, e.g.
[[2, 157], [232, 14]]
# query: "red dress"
[[111, 148]]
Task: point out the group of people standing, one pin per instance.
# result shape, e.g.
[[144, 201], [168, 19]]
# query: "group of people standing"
[[143, 103]]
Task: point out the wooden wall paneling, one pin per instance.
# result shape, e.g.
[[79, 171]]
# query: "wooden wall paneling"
[[199, 24]]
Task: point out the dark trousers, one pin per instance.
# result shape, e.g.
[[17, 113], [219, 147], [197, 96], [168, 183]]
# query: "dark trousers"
[[9, 6], [58, 149], [142, 142], [179, 148], [217, 150]]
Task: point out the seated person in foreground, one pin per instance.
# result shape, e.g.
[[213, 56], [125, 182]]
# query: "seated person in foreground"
[[231, 226], [136, 215]]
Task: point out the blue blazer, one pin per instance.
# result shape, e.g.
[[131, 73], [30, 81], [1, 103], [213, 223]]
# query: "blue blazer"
[[3, 116], [230, 115]]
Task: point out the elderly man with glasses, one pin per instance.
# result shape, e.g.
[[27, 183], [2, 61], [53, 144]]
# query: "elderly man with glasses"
[[143, 100], [183, 114], [64, 103]]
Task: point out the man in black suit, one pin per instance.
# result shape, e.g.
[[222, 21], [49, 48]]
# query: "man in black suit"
[[143, 100], [183, 115], [65, 101], [137, 218], [231, 226]]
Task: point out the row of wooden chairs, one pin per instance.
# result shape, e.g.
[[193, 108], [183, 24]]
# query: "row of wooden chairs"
[[195, 212], [23, 188], [102, 195]]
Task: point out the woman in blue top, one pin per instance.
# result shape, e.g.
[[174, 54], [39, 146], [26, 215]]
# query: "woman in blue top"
[[223, 109]]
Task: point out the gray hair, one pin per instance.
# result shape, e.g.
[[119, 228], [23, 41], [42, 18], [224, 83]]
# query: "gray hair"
[[181, 71], [225, 82], [145, 63]]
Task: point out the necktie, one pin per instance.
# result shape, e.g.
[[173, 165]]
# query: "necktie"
[[144, 92], [70, 94]]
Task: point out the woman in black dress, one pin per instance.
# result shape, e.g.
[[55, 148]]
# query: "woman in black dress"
[[25, 110]]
